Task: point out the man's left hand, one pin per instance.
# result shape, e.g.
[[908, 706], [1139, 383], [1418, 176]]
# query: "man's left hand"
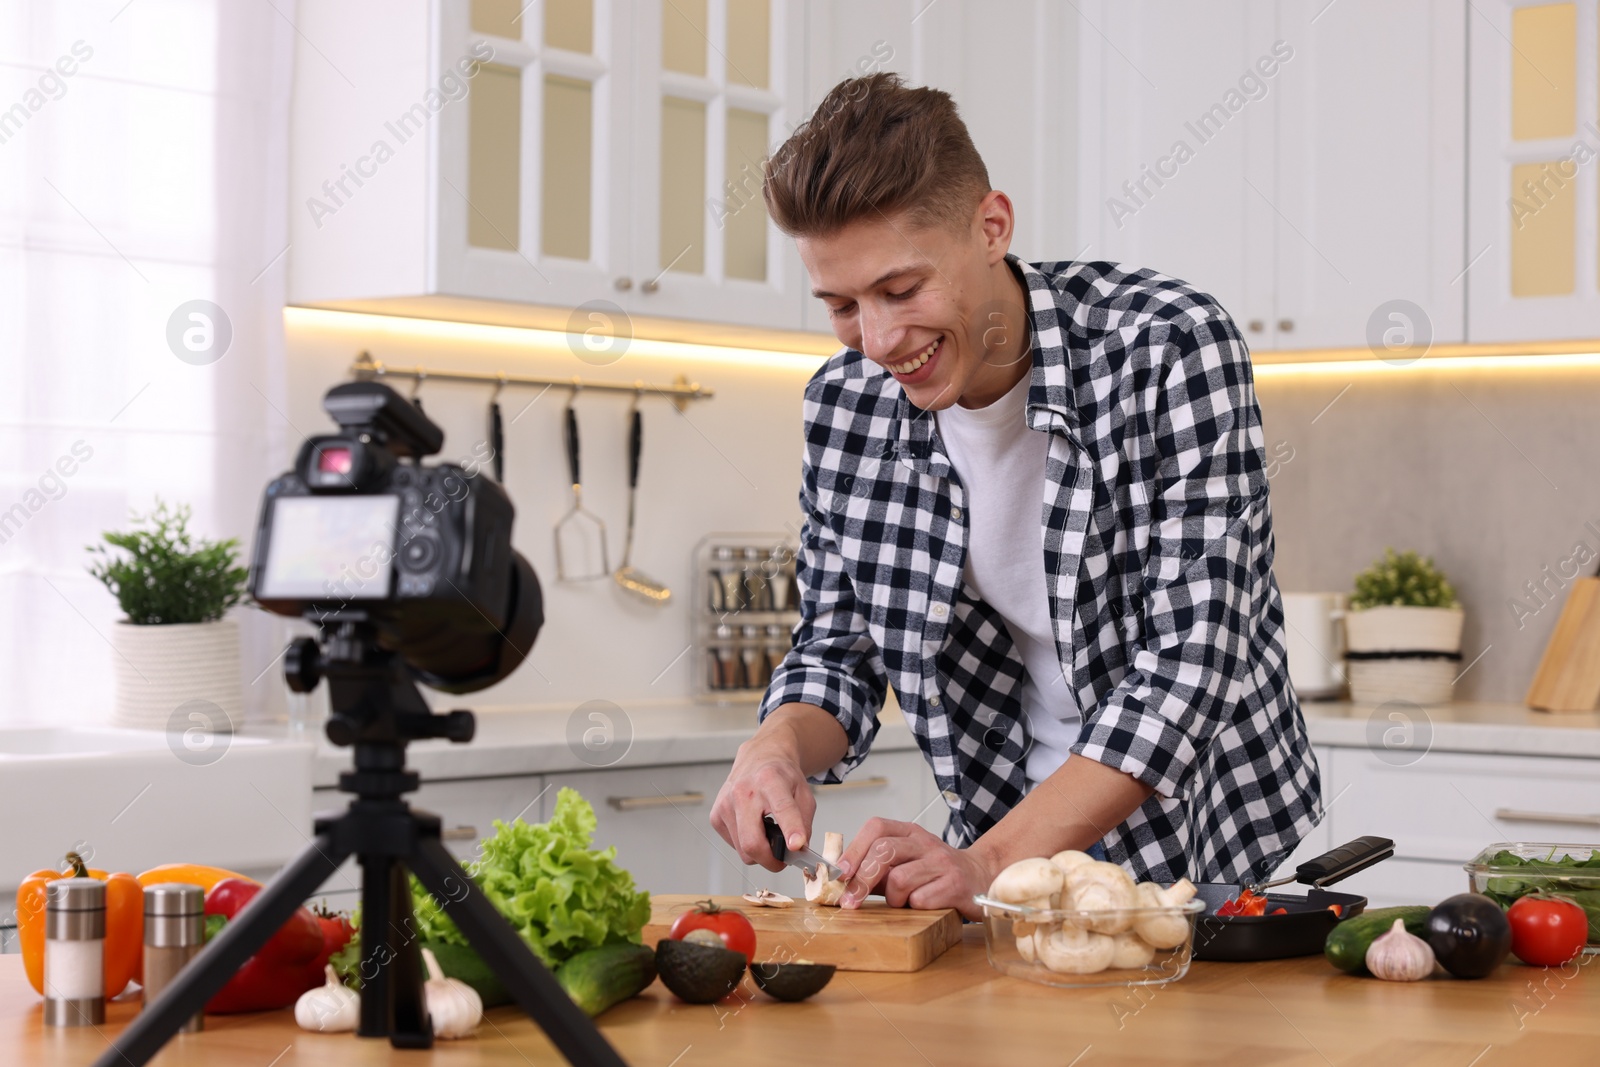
[[913, 868]]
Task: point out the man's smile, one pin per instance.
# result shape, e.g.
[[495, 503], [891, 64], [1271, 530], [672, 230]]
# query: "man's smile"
[[920, 366]]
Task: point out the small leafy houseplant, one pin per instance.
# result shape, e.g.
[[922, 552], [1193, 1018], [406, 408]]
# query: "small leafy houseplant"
[[1403, 632], [177, 657], [1403, 579], [167, 576]]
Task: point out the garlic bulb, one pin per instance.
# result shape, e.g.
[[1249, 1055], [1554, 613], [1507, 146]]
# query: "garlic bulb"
[[329, 1008], [1399, 956], [455, 1006]]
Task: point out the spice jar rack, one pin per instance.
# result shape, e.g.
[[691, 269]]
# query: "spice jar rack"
[[746, 604]]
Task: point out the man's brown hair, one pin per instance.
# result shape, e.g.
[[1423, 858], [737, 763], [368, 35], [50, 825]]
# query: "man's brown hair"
[[875, 148]]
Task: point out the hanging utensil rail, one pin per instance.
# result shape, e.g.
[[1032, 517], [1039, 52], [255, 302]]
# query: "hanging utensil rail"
[[680, 392]]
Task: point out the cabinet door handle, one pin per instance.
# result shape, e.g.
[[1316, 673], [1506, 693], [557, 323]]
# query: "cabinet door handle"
[[1256, 326], [1564, 817], [650, 286], [623, 284], [660, 800], [1286, 325], [459, 833], [877, 782]]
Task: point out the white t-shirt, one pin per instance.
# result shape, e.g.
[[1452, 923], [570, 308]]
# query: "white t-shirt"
[[1001, 462]]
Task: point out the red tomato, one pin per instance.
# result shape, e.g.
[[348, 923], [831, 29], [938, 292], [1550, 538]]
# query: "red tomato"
[[727, 923], [1547, 931]]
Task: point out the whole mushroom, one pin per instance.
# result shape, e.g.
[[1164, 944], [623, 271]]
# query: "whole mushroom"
[[1070, 950], [1131, 952], [1070, 858], [1033, 883], [1099, 886], [1164, 929]]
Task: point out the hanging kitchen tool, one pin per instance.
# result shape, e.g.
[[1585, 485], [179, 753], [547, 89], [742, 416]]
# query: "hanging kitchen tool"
[[497, 434], [627, 576], [416, 387], [1303, 925], [580, 535]]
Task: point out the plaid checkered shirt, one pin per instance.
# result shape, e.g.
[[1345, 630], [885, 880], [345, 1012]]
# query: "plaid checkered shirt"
[[1157, 541]]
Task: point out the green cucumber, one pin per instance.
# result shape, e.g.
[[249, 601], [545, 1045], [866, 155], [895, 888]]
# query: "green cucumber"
[[597, 978], [1347, 944]]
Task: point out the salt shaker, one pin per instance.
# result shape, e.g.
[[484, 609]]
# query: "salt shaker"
[[174, 933], [74, 952]]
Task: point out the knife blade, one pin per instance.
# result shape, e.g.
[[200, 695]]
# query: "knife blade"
[[803, 858]]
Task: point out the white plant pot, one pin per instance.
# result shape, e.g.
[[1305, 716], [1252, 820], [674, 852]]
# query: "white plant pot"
[[160, 669], [1414, 681], [1398, 629]]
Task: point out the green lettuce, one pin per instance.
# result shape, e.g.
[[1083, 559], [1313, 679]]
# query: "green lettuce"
[[561, 895]]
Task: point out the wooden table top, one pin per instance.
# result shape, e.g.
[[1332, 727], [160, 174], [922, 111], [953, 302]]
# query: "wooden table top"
[[960, 1012]]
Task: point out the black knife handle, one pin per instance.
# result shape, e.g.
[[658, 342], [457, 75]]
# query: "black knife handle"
[[497, 441], [1340, 863], [572, 445], [775, 840], [635, 443]]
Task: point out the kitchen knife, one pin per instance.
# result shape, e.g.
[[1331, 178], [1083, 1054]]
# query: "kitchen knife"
[[803, 858]]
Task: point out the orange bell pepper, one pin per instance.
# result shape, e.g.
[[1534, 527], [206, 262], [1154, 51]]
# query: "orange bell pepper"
[[190, 873], [124, 948]]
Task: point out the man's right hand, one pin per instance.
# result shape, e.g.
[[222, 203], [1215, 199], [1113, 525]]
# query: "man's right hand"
[[769, 777], [766, 778]]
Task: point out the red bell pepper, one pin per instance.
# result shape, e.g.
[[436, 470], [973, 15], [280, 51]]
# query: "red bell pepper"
[[285, 967]]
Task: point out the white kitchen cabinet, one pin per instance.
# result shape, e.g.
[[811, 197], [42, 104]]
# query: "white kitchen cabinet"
[[1370, 206], [467, 809], [1301, 164], [1008, 65], [1533, 225], [545, 178]]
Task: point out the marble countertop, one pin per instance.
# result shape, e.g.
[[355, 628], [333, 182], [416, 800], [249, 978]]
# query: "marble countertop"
[[536, 741]]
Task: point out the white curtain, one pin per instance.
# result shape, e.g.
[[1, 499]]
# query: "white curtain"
[[143, 166]]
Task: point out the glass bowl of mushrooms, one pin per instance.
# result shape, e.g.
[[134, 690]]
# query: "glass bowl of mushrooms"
[[1071, 921]]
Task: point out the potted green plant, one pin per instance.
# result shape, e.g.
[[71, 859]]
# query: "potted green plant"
[[174, 647], [1403, 632]]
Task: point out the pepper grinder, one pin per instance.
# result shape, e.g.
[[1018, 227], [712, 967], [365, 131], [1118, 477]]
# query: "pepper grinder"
[[74, 952], [174, 934]]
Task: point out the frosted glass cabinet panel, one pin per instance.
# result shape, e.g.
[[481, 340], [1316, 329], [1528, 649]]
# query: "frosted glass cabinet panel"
[[1533, 219]]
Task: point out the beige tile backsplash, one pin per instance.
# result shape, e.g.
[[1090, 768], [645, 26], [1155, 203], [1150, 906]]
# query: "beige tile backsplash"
[[1494, 473]]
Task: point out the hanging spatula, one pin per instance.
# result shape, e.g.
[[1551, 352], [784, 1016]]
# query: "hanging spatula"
[[580, 535], [627, 576]]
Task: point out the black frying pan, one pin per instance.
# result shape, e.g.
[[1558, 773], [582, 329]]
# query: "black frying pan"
[[1304, 928]]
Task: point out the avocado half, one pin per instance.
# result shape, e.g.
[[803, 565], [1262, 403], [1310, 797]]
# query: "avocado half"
[[698, 973], [792, 981]]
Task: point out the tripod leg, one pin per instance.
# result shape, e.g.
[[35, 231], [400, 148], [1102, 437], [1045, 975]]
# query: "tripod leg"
[[528, 980], [210, 970], [391, 957]]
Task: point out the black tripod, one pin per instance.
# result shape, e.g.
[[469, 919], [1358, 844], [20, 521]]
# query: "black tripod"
[[376, 709]]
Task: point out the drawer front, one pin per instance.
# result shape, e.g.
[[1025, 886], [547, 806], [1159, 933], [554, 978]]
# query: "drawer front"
[[1447, 806], [659, 820], [1400, 881], [467, 809]]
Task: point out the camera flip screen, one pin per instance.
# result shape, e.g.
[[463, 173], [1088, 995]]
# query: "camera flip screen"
[[330, 547]]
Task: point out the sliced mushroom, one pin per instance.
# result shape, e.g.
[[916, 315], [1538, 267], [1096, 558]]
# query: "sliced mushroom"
[[766, 898], [1164, 929], [1132, 952], [1033, 883], [1098, 886], [820, 889], [1073, 951]]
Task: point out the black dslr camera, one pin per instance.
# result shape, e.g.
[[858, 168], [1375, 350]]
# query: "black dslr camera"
[[360, 531]]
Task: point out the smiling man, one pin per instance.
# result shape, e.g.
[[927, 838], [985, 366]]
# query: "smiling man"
[[1035, 505]]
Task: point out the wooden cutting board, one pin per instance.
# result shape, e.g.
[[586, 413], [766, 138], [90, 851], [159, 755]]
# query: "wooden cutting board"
[[874, 937], [1568, 678]]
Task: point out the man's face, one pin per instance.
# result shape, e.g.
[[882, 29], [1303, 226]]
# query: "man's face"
[[921, 301]]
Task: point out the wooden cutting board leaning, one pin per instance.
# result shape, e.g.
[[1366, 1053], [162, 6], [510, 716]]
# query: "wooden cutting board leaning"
[[874, 937]]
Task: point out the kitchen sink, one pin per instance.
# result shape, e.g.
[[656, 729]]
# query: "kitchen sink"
[[132, 799]]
